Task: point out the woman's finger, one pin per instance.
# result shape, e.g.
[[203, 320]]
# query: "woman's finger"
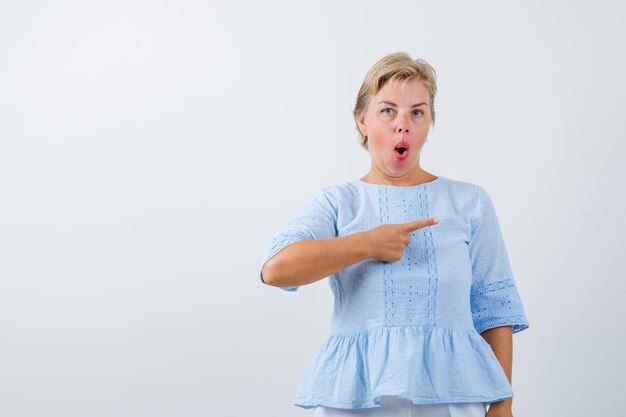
[[418, 224]]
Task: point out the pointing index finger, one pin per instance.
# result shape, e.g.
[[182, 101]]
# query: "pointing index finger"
[[418, 224]]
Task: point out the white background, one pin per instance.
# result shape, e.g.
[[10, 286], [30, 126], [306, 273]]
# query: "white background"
[[150, 149]]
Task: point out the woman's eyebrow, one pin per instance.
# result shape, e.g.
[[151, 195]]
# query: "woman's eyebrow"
[[394, 104]]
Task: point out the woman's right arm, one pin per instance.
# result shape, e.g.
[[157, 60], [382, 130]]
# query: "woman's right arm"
[[307, 261]]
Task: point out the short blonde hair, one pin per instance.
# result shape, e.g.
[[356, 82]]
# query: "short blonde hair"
[[398, 66]]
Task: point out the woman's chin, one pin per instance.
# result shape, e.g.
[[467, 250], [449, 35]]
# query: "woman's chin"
[[396, 164], [398, 172]]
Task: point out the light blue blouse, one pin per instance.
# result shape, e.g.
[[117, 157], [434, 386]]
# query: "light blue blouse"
[[410, 328]]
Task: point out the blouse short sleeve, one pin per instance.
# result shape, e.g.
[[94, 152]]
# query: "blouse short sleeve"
[[317, 220], [494, 298]]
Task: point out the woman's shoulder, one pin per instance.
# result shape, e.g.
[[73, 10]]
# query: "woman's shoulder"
[[471, 196], [450, 181], [344, 190], [463, 186]]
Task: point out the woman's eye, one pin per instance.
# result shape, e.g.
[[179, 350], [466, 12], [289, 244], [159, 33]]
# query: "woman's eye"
[[417, 112], [387, 111]]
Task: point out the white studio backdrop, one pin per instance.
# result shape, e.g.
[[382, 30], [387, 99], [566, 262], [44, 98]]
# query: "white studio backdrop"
[[149, 150]]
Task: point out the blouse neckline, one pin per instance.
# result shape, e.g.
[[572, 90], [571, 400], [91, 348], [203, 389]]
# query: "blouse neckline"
[[436, 180]]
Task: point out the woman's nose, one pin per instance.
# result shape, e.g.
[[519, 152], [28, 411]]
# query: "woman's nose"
[[403, 126]]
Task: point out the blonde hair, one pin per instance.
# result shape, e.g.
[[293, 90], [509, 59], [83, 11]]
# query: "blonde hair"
[[398, 66]]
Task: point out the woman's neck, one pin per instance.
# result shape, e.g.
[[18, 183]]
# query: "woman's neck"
[[416, 177]]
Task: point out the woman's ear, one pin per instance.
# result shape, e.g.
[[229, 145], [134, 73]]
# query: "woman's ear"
[[360, 121]]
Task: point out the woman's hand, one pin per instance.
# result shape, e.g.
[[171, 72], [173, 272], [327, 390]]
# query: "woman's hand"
[[387, 242], [500, 409]]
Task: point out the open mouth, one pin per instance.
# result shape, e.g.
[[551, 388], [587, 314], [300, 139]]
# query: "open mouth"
[[401, 151]]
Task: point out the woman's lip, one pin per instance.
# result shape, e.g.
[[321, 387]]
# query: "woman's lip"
[[401, 156]]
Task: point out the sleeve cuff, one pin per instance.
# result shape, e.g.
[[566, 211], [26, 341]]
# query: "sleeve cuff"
[[497, 304]]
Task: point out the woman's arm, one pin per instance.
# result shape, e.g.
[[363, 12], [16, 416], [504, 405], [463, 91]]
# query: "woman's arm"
[[307, 261], [310, 260], [501, 341]]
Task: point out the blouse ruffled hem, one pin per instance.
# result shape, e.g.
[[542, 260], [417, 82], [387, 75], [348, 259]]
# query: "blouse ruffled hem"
[[427, 365], [375, 401]]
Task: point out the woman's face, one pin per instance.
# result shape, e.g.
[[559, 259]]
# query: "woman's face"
[[396, 124]]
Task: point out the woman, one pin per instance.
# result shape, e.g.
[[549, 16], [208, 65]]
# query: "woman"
[[425, 300]]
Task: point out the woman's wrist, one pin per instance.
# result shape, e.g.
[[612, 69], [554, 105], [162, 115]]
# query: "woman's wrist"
[[506, 404]]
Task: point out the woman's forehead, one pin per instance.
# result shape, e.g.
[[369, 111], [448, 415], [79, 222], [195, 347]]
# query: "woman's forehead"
[[411, 90]]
